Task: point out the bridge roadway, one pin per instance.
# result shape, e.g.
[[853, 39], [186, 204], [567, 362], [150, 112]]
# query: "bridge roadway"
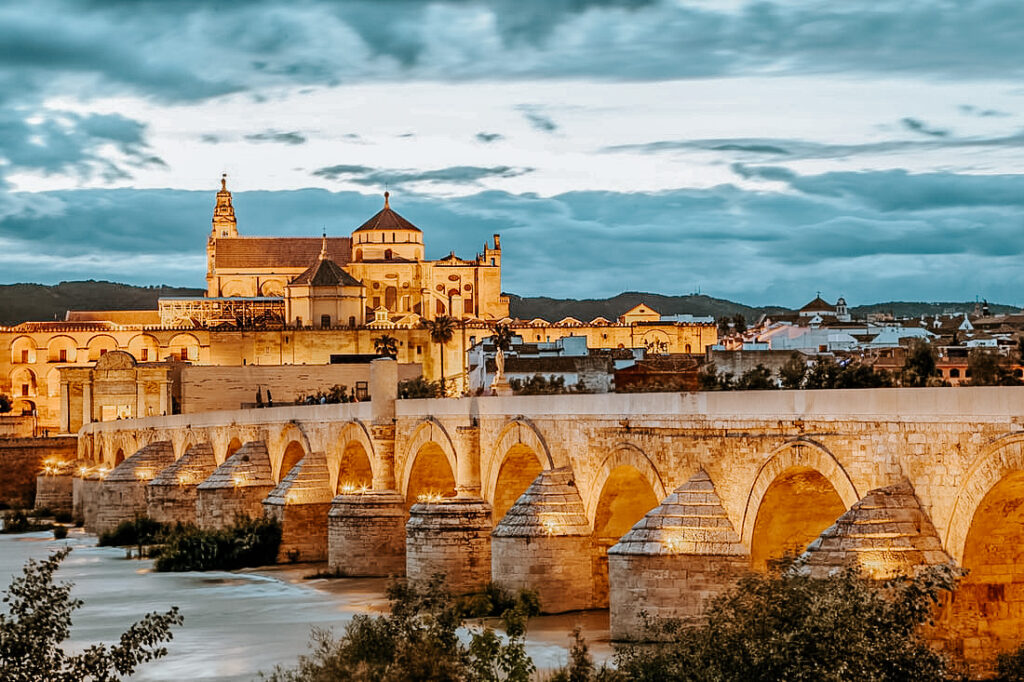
[[549, 483]]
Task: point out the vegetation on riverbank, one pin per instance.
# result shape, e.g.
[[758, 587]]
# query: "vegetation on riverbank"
[[246, 543]]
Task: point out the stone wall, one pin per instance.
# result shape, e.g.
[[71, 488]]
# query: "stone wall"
[[206, 388], [452, 538], [366, 534], [21, 460], [55, 493]]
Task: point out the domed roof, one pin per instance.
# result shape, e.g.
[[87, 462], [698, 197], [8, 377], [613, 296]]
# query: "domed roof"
[[386, 219]]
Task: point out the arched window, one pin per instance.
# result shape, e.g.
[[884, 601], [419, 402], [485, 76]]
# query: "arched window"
[[387, 254]]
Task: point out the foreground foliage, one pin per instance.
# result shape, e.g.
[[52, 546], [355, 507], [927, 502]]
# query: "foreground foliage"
[[38, 620], [418, 640]]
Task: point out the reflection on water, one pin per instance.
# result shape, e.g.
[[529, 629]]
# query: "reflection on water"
[[236, 624]]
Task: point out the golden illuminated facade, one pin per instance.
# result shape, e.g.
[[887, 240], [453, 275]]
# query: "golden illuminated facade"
[[385, 257]]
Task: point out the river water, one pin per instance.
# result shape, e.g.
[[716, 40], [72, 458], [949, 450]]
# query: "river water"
[[240, 623]]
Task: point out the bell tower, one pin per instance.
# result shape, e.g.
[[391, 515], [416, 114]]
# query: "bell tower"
[[224, 226], [224, 223]]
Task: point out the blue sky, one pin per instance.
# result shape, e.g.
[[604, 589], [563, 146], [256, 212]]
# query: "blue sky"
[[754, 151]]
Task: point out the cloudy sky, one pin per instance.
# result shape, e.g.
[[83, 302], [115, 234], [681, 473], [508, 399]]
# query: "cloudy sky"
[[755, 151]]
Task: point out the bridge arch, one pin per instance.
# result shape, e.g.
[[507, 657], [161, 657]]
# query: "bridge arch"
[[519, 455], [286, 450], [799, 491], [353, 462], [629, 456], [430, 462]]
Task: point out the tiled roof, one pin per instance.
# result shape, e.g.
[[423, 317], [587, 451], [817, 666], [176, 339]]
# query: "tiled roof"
[[279, 252], [550, 506], [386, 219], [818, 304], [326, 273], [151, 317]]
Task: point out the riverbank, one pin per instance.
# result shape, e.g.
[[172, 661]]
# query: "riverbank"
[[240, 623]]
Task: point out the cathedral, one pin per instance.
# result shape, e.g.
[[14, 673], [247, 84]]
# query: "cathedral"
[[379, 272]]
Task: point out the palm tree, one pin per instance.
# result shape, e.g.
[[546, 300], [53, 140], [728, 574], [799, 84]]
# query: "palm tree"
[[386, 345], [441, 329], [502, 337]]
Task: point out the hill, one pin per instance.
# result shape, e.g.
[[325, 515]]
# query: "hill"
[[21, 302], [554, 309]]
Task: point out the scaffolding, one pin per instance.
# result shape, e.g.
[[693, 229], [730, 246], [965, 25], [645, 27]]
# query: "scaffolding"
[[255, 312]]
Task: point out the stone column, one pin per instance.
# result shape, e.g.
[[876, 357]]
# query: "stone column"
[[452, 538], [140, 400], [87, 401], [237, 488], [366, 534], [383, 395], [65, 407], [164, 397], [543, 544], [467, 483], [383, 437], [684, 552]]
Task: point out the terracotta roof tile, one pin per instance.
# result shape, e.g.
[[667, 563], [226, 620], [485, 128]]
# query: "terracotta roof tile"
[[279, 252], [386, 219], [326, 273]]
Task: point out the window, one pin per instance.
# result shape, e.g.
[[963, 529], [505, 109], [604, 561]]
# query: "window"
[[351, 320], [325, 320], [387, 254], [361, 390], [24, 389], [688, 348], [24, 355], [298, 321], [145, 354], [376, 301], [419, 350], [63, 355]]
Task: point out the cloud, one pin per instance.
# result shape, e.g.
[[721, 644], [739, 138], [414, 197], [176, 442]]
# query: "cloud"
[[796, 149], [537, 120], [919, 126], [487, 138], [277, 136], [870, 236], [458, 175], [971, 110]]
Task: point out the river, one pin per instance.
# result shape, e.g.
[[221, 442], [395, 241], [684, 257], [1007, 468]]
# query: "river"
[[237, 624]]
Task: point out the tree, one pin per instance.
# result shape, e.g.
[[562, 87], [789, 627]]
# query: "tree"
[[756, 379], [502, 337], [6, 404], [442, 330], [739, 323], [39, 620], [418, 640], [987, 368], [419, 388], [786, 625], [791, 374], [920, 364], [822, 374], [386, 345]]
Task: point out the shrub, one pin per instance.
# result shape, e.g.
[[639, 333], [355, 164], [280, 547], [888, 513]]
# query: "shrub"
[[19, 522], [417, 640], [141, 530], [419, 388], [38, 620], [249, 542], [62, 517], [60, 532], [41, 513]]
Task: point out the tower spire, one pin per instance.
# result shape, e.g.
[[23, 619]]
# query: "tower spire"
[[387, 195], [224, 223], [323, 247]]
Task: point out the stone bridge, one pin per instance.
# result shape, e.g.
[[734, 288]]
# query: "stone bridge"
[[681, 491]]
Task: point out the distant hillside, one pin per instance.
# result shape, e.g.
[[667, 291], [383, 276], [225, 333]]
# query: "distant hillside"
[[554, 309], [21, 302], [912, 309]]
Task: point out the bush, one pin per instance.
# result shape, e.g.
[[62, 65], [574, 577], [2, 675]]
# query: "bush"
[[38, 620], [41, 513], [417, 640], [494, 600], [538, 384], [141, 530], [419, 388], [249, 542], [60, 532], [1010, 666], [62, 517], [19, 522]]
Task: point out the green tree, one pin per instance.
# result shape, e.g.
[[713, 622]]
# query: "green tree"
[[502, 337], [756, 379], [419, 388], [859, 375], [417, 640], [920, 364], [739, 323], [791, 374], [710, 379], [38, 620], [786, 625], [442, 330], [988, 368], [6, 404], [824, 373], [386, 345]]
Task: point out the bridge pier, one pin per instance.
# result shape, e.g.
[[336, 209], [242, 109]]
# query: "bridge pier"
[[543, 544], [452, 537], [171, 496], [86, 491], [301, 502], [683, 553], [236, 489], [366, 534], [122, 493]]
